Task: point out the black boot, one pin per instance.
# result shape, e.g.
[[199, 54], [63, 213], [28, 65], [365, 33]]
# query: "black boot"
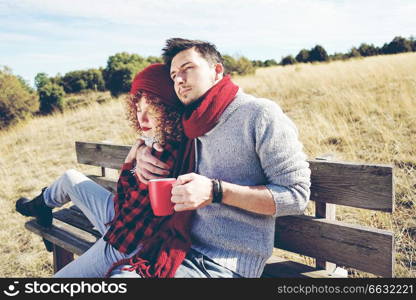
[[36, 208]]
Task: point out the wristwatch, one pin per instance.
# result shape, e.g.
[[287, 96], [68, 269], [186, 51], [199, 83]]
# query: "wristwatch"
[[216, 191]]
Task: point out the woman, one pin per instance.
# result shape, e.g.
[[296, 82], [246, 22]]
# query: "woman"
[[155, 112], [153, 246]]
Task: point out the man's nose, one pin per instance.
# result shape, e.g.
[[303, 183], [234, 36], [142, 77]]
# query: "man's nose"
[[179, 79]]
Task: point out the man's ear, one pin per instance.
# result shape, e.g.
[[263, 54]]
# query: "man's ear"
[[219, 71]]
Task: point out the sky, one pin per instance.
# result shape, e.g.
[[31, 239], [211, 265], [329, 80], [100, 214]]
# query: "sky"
[[58, 36]]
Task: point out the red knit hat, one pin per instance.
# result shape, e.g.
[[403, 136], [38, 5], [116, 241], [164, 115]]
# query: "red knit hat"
[[155, 79]]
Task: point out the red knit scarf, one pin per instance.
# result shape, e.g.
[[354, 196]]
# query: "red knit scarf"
[[164, 251]]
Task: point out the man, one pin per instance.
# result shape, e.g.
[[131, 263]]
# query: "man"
[[249, 165]]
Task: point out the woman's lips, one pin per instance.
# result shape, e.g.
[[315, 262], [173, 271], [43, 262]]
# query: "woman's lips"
[[146, 128]]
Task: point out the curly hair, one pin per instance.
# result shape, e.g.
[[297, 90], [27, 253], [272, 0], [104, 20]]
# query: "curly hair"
[[169, 128]]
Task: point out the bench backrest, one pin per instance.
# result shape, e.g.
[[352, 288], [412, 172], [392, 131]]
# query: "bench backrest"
[[321, 236]]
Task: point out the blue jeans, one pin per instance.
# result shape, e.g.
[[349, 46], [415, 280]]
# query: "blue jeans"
[[195, 265], [97, 204]]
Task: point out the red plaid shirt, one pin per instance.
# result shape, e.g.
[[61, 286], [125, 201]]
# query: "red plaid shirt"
[[134, 219]]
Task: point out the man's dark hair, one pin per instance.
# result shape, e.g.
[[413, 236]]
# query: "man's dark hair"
[[176, 45]]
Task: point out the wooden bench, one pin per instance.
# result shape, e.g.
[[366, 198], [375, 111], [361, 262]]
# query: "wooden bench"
[[334, 244]]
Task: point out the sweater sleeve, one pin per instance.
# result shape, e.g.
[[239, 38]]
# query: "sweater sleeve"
[[283, 161]]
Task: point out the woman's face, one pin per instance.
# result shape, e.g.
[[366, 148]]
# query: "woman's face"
[[147, 117]]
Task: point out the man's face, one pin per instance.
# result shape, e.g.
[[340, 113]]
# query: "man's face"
[[193, 75]]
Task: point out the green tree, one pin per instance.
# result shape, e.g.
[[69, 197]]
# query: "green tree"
[[368, 50], [154, 59], [412, 41], [238, 66], [244, 66], [41, 79], [51, 98], [77, 81], [58, 79], [397, 45], [120, 70], [17, 99], [257, 63], [337, 56], [95, 80], [318, 53], [303, 56], [270, 62], [353, 53], [288, 60], [229, 64]]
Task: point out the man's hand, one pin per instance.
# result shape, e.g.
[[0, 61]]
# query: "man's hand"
[[131, 157], [191, 191], [149, 167]]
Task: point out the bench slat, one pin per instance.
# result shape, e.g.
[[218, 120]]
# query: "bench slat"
[[365, 186], [64, 235], [356, 185], [100, 154], [366, 249], [108, 183], [77, 219], [278, 267]]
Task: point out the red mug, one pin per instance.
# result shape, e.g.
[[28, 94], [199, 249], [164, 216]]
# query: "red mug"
[[160, 193]]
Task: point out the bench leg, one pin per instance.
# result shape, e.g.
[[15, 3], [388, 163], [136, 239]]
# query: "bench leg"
[[61, 258], [326, 211]]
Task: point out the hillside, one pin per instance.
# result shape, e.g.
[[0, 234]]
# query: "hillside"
[[360, 110]]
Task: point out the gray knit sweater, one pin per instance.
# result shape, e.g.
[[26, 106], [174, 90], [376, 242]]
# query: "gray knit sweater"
[[254, 143]]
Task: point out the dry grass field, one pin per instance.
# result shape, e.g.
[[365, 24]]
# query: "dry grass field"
[[361, 110]]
